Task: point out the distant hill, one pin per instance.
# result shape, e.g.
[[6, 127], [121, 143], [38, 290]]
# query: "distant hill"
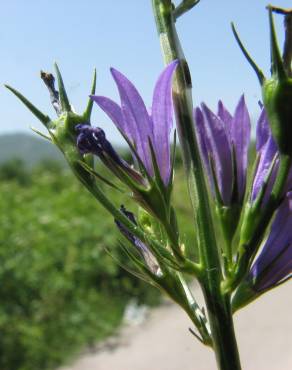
[[31, 149]]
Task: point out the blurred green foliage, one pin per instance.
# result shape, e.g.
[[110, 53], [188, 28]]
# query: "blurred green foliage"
[[59, 289]]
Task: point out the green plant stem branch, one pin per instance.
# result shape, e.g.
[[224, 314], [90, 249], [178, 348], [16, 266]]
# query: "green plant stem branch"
[[218, 305], [184, 7]]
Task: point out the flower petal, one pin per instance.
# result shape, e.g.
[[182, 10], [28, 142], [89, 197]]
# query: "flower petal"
[[240, 136], [226, 117], [221, 152], [162, 119], [204, 142], [263, 131], [275, 259], [267, 155], [135, 115], [112, 109]]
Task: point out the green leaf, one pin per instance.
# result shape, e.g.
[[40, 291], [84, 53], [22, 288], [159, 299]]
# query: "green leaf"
[[62, 91], [41, 116]]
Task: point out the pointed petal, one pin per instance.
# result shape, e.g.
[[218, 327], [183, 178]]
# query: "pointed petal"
[[220, 152], [263, 131], [279, 270], [240, 136], [267, 149], [224, 114], [267, 155], [112, 109], [275, 259], [204, 143], [136, 116], [162, 119]]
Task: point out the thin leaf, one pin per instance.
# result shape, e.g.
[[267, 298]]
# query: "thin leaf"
[[41, 116], [62, 91]]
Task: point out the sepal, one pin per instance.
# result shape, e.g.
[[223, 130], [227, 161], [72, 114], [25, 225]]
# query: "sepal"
[[276, 91], [183, 7], [64, 101], [259, 73], [34, 110], [243, 296], [88, 110]]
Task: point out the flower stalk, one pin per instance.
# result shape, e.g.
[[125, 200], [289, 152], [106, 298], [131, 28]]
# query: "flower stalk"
[[218, 305]]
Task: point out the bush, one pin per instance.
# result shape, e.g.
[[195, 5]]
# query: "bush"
[[59, 289]]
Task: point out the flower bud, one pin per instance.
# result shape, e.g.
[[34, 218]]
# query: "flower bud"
[[277, 91], [277, 96]]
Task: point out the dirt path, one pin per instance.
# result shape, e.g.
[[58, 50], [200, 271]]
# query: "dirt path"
[[162, 342]]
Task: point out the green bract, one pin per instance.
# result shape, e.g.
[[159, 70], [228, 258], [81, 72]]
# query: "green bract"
[[276, 91], [277, 97]]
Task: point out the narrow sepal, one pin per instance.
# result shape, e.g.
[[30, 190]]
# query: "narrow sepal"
[[142, 266], [127, 268], [252, 63], [243, 296], [98, 176], [41, 133], [184, 7], [276, 59], [88, 110], [65, 105], [34, 110]]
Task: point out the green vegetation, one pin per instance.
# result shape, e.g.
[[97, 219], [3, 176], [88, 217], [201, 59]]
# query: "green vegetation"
[[60, 290]]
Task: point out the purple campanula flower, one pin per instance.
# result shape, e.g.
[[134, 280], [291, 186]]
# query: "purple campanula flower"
[[267, 152], [150, 260], [135, 122], [93, 140], [224, 141], [274, 262]]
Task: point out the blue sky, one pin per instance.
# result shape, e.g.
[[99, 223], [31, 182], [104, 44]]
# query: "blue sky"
[[81, 35]]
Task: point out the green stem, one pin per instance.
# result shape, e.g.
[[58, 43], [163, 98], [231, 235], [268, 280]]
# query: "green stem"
[[218, 306], [223, 335]]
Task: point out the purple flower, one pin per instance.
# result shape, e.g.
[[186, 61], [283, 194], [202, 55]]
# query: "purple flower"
[[93, 140], [148, 257], [140, 127], [267, 151], [268, 162], [224, 141], [274, 262]]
